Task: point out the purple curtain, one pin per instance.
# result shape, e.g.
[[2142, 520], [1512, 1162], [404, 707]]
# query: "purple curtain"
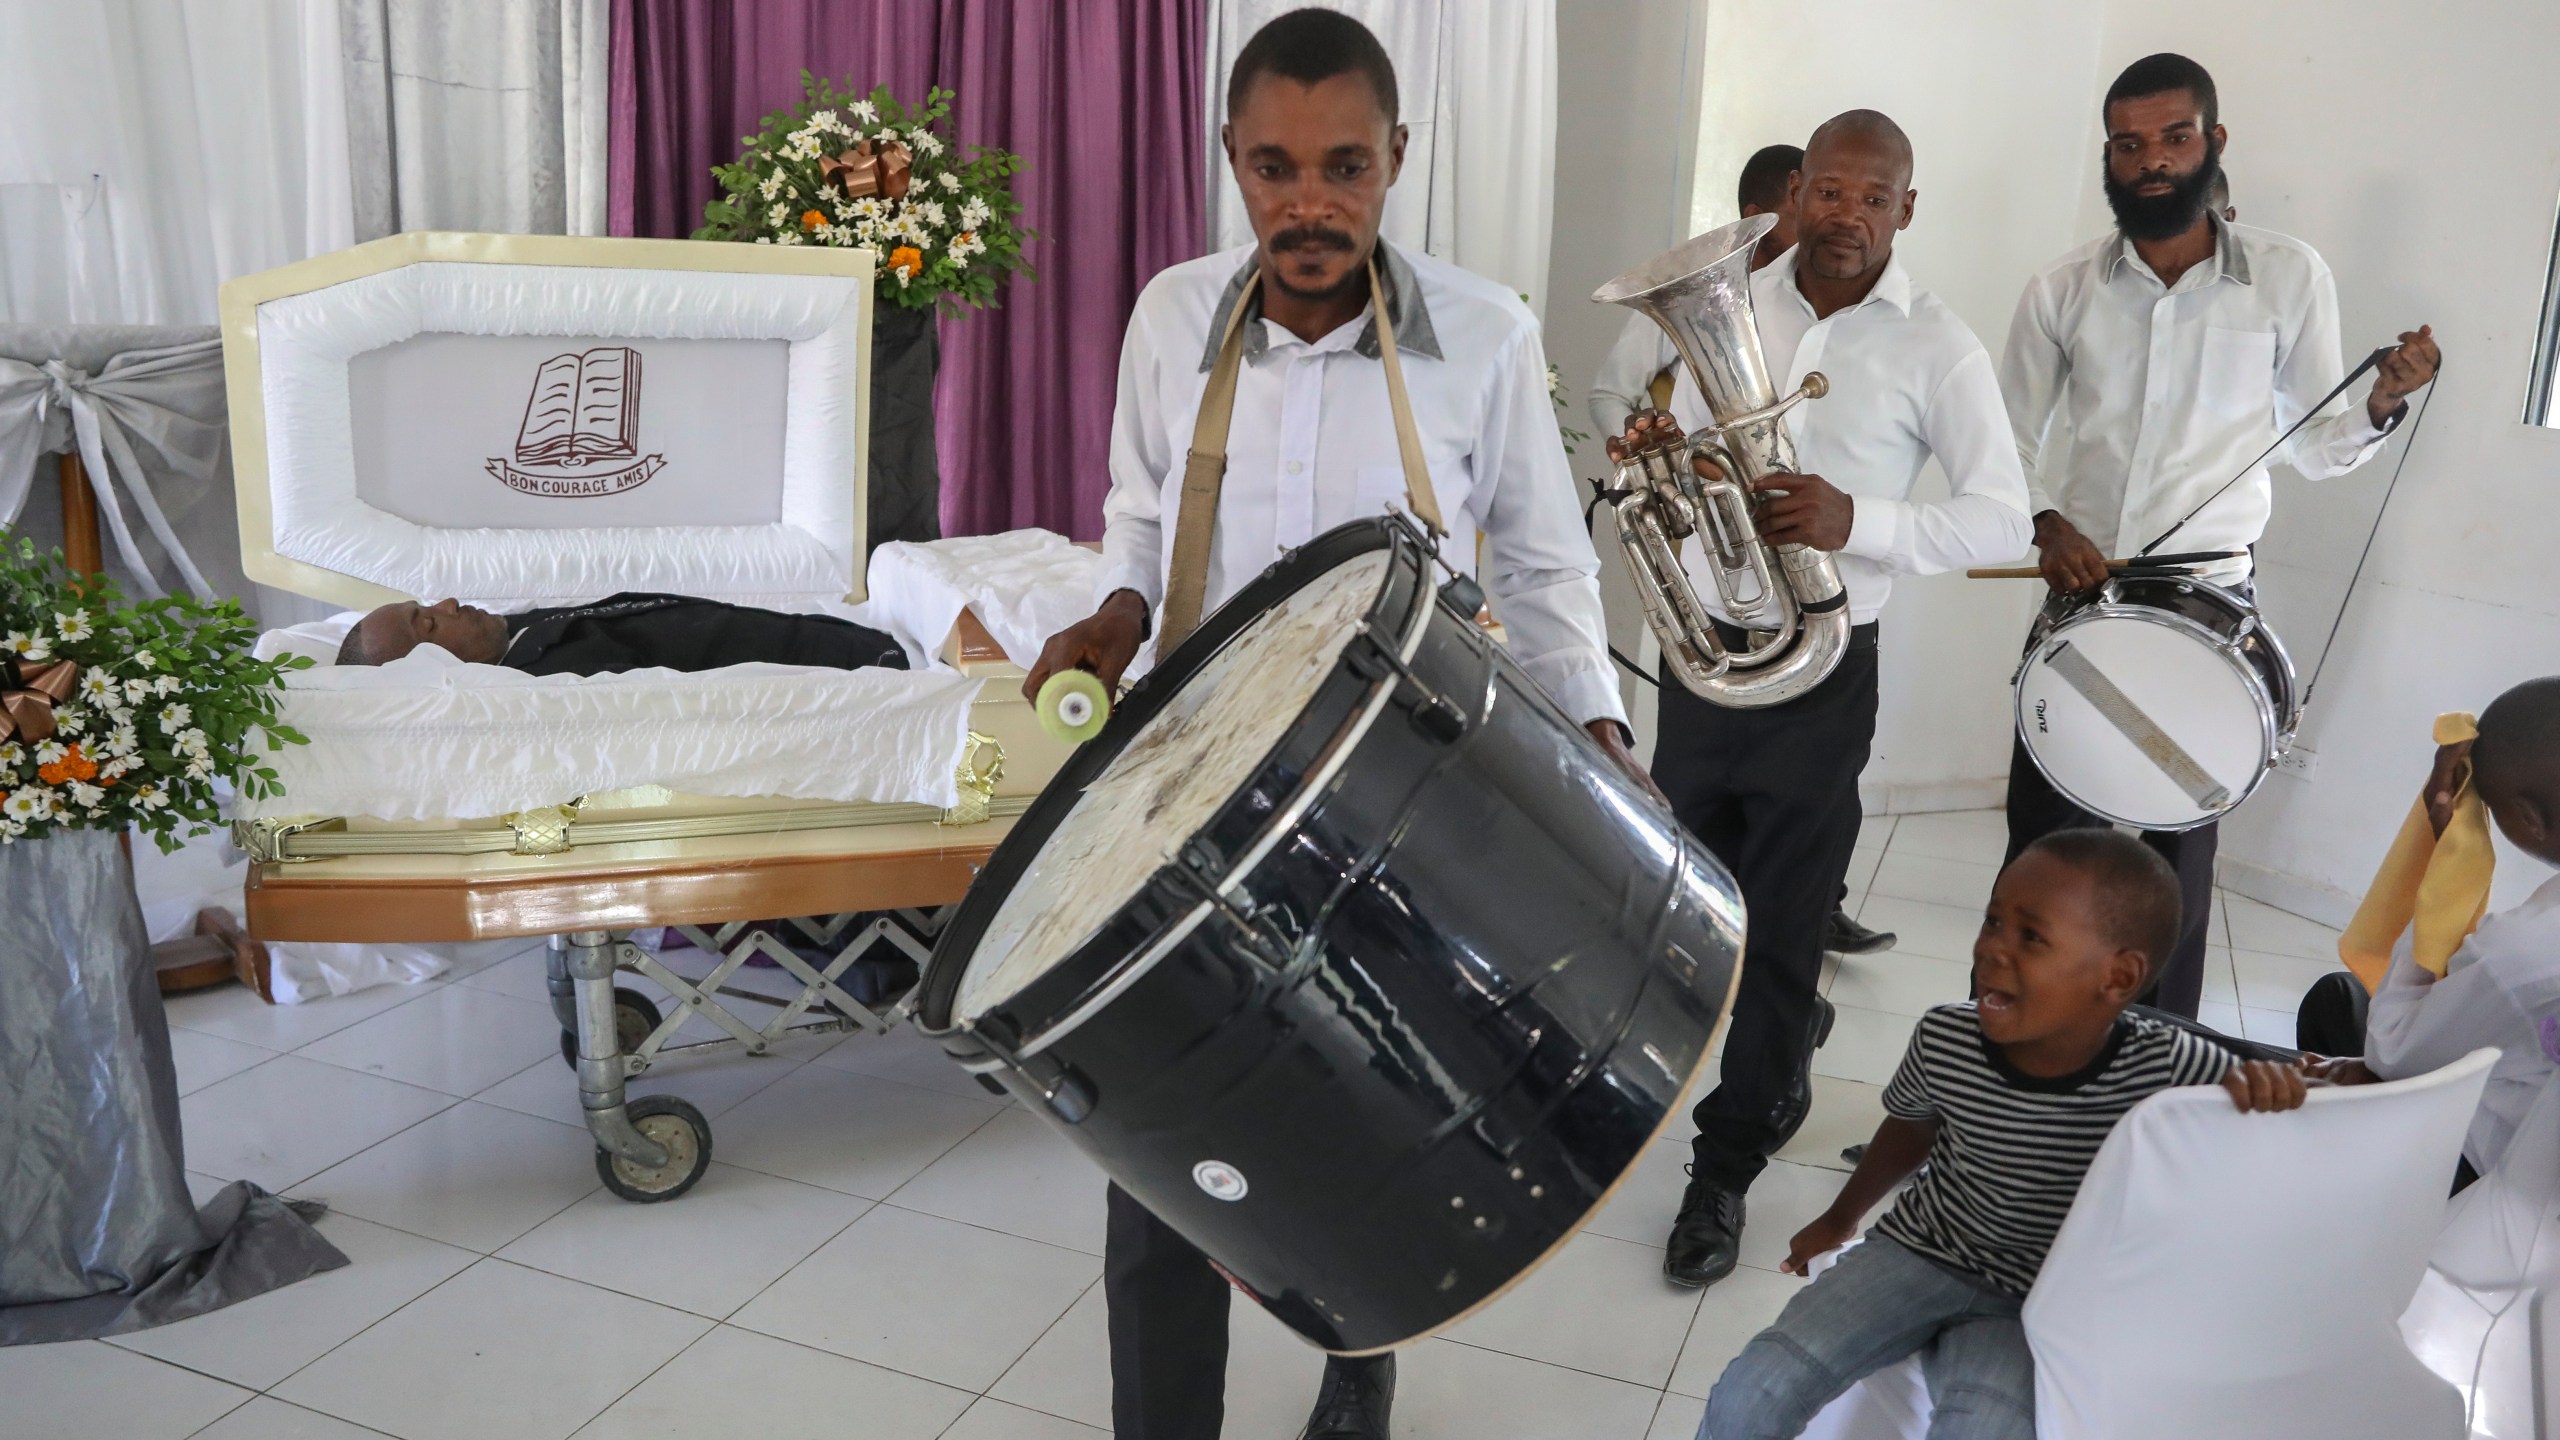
[[1102, 98]]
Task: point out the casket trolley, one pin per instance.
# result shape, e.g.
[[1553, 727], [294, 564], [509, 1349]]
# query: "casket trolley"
[[387, 409]]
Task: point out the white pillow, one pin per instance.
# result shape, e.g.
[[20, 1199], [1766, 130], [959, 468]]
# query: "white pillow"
[[318, 639]]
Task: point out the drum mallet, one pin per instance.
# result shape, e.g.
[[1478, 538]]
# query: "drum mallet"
[[2151, 563], [1073, 705]]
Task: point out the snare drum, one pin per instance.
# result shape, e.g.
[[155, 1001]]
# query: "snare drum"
[[2158, 702], [1346, 952]]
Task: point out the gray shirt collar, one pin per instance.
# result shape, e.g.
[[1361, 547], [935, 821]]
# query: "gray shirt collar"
[[1414, 335]]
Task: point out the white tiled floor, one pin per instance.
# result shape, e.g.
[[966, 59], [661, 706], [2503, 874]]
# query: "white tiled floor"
[[880, 1250]]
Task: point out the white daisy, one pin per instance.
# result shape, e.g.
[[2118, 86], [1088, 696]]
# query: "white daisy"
[[863, 110], [174, 718], [70, 719], [86, 795], [151, 797], [29, 647], [48, 751], [12, 754], [949, 180], [923, 142], [198, 768], [192, 741], [23, 804], [166, 685], [74, 626], [95, 687], [764, 239], [824, 120], [146, 660], [973, 213]]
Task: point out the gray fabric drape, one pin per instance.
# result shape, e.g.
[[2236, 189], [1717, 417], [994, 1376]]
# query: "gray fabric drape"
[[158, 442], [97, 1233], [143, 407], [455, 115]]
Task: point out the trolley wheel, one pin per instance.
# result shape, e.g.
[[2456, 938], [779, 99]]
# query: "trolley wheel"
[[671, 1123], [635, 1017]]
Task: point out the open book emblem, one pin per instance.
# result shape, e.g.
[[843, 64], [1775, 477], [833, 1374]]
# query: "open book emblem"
[[581, 431]]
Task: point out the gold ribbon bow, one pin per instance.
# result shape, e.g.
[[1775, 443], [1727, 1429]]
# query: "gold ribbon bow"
[[873, 167], [28, 694]]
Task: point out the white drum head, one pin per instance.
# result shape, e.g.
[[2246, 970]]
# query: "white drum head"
[[2140, 718], [1192, 757]]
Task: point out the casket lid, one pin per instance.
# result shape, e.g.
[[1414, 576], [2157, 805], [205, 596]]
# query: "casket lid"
[[438, 414]]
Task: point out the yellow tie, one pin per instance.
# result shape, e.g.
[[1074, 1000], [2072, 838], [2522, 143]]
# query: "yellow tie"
[[2440, 883]]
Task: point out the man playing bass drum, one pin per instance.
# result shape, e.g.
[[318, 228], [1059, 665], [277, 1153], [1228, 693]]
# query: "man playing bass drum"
[[2143, 370], [1312, 443]]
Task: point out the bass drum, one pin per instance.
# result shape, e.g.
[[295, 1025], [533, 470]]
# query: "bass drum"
[[1346, 952], [2155, 701]]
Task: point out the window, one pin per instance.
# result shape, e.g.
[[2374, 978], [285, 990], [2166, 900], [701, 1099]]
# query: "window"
[[2539, 398]]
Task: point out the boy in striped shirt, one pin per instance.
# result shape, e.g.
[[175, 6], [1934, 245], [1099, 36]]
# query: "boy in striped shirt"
[[2006, 1099]]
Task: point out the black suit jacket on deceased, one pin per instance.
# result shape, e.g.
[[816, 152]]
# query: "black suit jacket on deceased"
[[680, 632]]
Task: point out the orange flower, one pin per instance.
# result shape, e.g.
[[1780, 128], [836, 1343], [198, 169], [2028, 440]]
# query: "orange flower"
[[812, 219], [907, 260], [72, 766]]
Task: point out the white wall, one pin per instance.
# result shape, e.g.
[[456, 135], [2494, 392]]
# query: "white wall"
[[1999, 101], [1626, 98], [2419, 151]]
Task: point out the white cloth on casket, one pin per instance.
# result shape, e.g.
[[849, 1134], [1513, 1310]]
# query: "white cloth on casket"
[[429, 737], [1023, 585]]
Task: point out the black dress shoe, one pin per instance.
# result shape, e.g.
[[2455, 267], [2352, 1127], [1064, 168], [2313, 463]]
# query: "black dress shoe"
[[1355, 1400], [1799, 1102], [1706, 1241], [1844, 936]]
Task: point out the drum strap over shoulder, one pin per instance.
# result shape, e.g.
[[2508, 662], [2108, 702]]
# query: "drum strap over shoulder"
[[1204, 470]]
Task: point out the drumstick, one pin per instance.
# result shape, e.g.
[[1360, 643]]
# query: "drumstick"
[[2159, 563]]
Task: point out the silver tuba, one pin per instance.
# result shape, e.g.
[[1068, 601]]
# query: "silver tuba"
[[1788, 597]]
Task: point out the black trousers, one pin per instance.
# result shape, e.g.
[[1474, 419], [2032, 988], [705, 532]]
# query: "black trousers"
[[1168, 1315], [2036, 808], [1774, 795]]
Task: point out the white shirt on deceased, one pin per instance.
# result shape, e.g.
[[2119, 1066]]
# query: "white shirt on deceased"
[[1908, 381], [1313, 446], [2134, 400]]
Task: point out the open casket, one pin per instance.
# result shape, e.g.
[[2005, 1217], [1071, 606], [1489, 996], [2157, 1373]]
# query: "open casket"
[[435, 415]]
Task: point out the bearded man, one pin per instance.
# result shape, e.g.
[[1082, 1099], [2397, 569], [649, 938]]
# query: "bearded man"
[[2148, 367]]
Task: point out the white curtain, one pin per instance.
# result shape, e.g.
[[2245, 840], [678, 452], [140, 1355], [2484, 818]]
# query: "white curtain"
[[151, 149], [455, 115], [586, 88], [1476, 80]]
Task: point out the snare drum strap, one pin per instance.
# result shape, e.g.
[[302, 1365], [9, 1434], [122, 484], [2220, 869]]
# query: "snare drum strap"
[[1204, 471]]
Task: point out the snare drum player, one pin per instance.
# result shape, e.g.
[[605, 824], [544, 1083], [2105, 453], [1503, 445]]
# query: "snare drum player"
[[1774, 792], [2144, 369], [1311, 443]]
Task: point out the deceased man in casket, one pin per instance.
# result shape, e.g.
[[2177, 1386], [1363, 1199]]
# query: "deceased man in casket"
[[624, 632]]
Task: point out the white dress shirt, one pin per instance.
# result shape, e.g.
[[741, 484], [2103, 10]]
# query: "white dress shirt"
[[1908, 381], [2494, 991], [1624, 384], [2134, 401], [1313, 446]]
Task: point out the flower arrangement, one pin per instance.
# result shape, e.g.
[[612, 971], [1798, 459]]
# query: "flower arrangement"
[[844, 170], [117, 714]]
